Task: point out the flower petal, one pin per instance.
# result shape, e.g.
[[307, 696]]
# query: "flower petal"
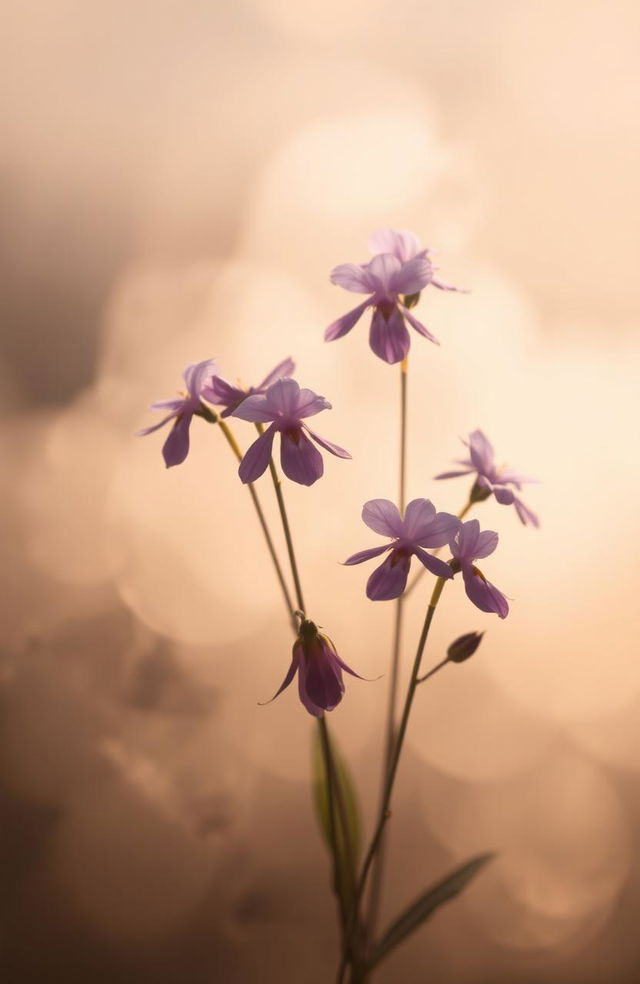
[[441, 286], [344, 324], [382, 516], [481, 452], [525, 515], [486, 544], [440, 530], [283, 397], [322, 678], [362, 555], [196, 375], [309, 404], [255, 409], [465, 540], [354, 277], [419, 327], [454, 474], [504, 496], [285, 368], [400, 242], [327, 445], [389, 338], [155, 427], [389, 580], [301, 461], [381, 271], [176, 446], [291, 672], [412, 276], [433, 564], [256, 458], [418, 516], [484, 595]]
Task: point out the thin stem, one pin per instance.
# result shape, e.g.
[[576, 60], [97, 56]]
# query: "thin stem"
[[435, 669], [384, 812], [233, 444], [390, 730], [333, 837], [463, 512]]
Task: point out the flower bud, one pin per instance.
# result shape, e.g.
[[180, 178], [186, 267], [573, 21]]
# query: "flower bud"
[[464, 647]]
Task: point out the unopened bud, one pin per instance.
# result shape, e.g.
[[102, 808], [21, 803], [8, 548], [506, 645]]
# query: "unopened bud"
[[464, 647]]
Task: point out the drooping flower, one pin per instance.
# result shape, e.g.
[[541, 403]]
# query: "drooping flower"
[[421, 527], [224, 394], [399, 269], [319, 670], [491, 478], [182, 410], [469, 544], [284, 406]]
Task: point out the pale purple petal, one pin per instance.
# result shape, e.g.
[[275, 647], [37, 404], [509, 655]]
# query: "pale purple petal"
[[155, 427], [440, 531], [464, 542], [417, 518], [327, 445], [455, 474], [504, 496], [176, 446], [419, 327], [389, 580], [486, 544], [291, 672], [303, 692], [175, 404], [412, 276], [481, 451], [309, 404], [362, 555], [354, 277], [381, 271], [345, 323], [400, 242], [301, 461], [382, 516], [525, 514], [389, 339], [322, 679], [484, 595], [196, 375], [285, 368], [433, 564], [256, 459], [439, 284], [255, 409], [282, 398], [221, 393]]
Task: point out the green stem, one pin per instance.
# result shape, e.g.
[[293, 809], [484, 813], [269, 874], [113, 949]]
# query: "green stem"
[[384, 812], [463, 512], [233, 444], [377, 876]]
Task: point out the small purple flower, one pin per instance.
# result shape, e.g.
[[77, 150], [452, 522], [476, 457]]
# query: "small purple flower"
[[400, 267], [285, 406], [467, 545], [491, 478], [421, 527], [224, 394], [176, 447], [319, 670]]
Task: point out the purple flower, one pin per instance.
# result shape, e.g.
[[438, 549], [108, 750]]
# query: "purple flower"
[[400, 267], [421, 527], [319, 670], [223, 394], [467, 545], [493, 479], [176, 446], [285, 406]]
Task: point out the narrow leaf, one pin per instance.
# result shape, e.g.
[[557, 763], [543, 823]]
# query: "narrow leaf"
[[425, 905], [349, 799]]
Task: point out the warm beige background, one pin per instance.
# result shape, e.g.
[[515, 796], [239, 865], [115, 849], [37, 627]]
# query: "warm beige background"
[[178, 178]]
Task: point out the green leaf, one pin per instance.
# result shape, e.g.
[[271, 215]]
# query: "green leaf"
[[349, 799], [425, 905]]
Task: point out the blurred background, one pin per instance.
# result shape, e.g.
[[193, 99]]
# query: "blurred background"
[[177, 179]]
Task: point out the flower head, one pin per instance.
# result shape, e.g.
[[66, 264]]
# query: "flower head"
[[319, 670], [224, 394], [284, 406], [493, 479], [469, 544], [197, 377], [399, 269], [420, 527]]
